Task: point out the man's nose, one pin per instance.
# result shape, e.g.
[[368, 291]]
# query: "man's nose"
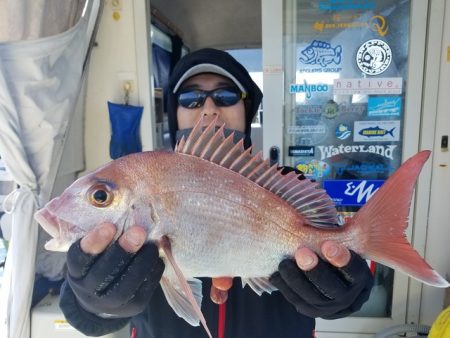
[[209, 108]]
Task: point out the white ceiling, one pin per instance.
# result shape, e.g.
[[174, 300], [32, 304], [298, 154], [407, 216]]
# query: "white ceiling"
[[221, 24]]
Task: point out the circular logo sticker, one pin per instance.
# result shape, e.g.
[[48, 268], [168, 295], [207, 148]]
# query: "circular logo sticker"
[[374, 57], [343, 131], [330, 109]]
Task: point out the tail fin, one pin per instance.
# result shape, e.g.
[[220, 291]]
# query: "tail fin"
[[385, 217]]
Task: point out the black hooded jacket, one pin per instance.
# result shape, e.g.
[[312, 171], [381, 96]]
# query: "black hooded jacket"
[[245, 314], [222, 60]]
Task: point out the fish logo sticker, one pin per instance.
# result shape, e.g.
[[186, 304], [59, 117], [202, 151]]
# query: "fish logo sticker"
[[374, 57], [321, 53], [384, 106], [376, 131]]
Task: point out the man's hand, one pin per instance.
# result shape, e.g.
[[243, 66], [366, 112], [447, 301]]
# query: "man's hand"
[[114, 280], [329, 289]]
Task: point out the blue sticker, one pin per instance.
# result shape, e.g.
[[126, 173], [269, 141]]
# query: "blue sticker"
[[342, 5], [351, 192], [363, 169], [308, 89], [384, 106], [343, 131], [321, 53]]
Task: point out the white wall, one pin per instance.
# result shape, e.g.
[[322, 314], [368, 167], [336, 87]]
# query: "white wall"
[[112, 61], [437, 250]]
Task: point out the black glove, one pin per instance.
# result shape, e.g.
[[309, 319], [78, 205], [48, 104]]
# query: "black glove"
[[325, 291], [115, 283]]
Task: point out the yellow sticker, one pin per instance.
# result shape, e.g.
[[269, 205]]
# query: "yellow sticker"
[[116, 16], [61, 324], [448, 53]]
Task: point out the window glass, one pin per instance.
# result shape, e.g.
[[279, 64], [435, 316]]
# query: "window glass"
[[345, 75]]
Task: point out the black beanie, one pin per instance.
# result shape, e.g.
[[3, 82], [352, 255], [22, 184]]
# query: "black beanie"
[[210, 60]]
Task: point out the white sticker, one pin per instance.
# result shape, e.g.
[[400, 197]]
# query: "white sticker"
[[376, 131], [368, 86], [374, 57]]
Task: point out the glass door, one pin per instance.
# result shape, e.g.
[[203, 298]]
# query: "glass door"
[[347, 114]]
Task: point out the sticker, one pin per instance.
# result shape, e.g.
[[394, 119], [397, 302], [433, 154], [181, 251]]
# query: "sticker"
[[343, 5], [308, 129], [384, 106], [331, 109], [362, 169], [382, 150], [314, 109], [301, 151], [374, 57], [273, 69], [321, 53], [314, 169], [376, 131], [351, 192], [308, 89], [321, 25], [353, 108], [376, 23], [62, 324], [379, 85], [343, 131]]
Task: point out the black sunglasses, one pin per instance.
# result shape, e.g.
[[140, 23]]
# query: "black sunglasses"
[[222, 97]]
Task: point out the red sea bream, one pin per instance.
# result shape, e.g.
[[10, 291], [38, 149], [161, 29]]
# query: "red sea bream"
[[218, 211]]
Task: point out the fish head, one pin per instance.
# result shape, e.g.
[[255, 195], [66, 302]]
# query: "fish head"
[[106, 195], [308, 55]]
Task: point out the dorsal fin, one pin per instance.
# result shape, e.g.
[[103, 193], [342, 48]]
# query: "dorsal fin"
[[210, 144]]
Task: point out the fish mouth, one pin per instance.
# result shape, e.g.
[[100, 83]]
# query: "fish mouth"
[[304, 58], [54, 226]]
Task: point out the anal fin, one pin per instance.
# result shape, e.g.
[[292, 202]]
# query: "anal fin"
[[259, 285]]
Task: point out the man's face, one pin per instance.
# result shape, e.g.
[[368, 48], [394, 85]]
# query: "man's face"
[[233, 116]]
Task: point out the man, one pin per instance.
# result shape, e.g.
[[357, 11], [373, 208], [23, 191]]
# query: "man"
[[109, 286]]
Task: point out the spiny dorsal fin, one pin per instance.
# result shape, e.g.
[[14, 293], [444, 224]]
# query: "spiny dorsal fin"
[[304, 195]]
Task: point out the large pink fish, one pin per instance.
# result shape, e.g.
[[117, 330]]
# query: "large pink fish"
[[218, 211]]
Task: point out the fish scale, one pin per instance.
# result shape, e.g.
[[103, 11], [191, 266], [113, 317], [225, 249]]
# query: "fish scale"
[[233, 222]]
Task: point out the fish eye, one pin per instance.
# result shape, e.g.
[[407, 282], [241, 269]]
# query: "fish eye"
[[100, 195]]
